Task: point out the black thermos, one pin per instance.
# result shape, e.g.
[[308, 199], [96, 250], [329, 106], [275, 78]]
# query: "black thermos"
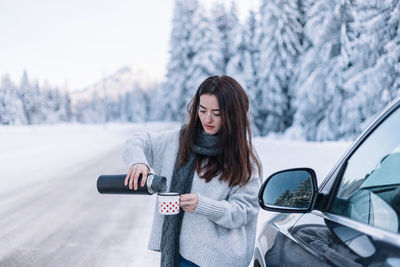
[[114, 184]]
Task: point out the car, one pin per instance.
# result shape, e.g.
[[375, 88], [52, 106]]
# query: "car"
[[351, 219]]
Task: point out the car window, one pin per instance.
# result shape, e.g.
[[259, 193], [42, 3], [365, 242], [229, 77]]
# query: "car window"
[[369, 191]]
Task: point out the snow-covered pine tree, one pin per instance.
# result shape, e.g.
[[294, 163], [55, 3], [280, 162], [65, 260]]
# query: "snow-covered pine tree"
[[228, 34], [39, 113], [138, 105], [32, 100], [123, 105], [322, 32], [6, 86], [366, 78], [392, 48], [56, 104], [155, 101], [278, 37], [52, 103], [11, 108], [67, 114], [243, 66], [192, 56], [93, 111], [387, 68], [134, 105], [318, 38], [42, 104], [319, 102], [181, 58], [25, 93], [341, 93]]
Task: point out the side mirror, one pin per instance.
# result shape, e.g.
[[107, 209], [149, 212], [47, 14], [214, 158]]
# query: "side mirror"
[[293, 190]]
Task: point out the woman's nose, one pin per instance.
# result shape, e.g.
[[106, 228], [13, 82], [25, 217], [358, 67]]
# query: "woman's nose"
[[209, 118]]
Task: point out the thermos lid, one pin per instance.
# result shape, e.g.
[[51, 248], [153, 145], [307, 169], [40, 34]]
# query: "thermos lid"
[[156, 184]]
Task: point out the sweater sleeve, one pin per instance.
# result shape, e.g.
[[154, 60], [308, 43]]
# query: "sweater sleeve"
[[240, 207], [148, 147], [138, 149]]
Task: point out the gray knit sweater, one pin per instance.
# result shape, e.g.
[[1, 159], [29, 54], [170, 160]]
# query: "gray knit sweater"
[[221, 231]]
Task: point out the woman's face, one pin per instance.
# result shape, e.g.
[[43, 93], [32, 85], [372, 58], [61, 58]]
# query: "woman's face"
[[209, 113]]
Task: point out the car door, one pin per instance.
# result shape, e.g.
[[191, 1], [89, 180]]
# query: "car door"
[[356, 218]]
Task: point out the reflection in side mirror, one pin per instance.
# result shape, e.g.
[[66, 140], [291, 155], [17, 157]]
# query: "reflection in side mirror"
[[291, 190]]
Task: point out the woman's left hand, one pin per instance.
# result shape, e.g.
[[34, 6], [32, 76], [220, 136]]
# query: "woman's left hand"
[[188, 202]]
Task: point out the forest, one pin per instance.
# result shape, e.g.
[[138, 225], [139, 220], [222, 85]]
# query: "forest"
[[313, 69]]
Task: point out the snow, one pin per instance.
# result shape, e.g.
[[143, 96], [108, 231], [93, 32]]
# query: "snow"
[[279, 154], [30, 154]]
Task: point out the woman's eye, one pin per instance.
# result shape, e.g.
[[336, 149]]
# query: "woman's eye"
[[216, 114], [202, 111]]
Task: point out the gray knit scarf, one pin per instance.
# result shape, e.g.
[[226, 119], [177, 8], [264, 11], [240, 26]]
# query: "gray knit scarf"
[[182, 179]]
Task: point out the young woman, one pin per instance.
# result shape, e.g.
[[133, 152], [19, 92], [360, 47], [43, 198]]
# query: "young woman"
[[210, 161]]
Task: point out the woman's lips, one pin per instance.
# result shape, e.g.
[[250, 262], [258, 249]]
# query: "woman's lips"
[[209, 127]]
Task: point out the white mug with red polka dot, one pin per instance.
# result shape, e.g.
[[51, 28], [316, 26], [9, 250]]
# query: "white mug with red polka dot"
[[168, 203]]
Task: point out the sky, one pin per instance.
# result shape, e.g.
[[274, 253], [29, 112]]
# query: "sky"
[[75, 43]]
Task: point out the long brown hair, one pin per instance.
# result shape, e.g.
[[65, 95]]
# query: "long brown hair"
[[235, 162]]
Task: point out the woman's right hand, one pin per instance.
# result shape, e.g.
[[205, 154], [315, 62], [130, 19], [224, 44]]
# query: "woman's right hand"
[[132, 177]]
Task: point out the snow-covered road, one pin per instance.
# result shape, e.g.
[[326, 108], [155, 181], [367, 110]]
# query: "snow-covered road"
[[52, 215], [50, 211]]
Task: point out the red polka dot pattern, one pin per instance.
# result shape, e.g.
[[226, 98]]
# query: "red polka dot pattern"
[[168, 207]]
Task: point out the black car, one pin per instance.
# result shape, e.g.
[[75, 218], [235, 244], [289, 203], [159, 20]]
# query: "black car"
[[352, 219]]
